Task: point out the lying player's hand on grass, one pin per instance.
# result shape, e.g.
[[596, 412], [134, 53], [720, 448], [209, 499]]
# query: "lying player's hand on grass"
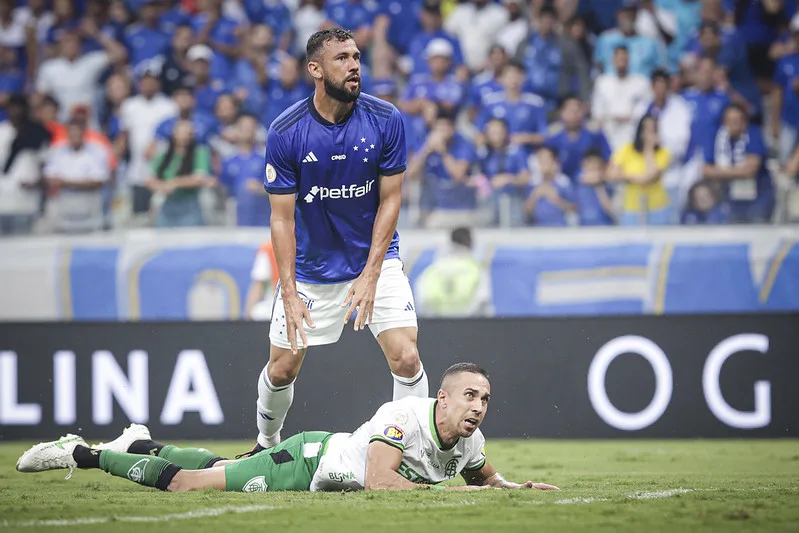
[[362, 298], [539, 486], [296, 313]]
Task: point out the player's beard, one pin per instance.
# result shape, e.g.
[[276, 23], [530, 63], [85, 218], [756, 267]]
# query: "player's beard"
[[340, 92]]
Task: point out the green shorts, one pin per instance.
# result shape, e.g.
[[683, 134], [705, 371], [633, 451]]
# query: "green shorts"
[[288, 466]]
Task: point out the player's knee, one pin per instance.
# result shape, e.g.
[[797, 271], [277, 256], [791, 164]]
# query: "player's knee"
[[282, 375], [406, 361]]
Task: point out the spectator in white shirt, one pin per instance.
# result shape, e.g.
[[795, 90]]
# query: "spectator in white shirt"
[[22, 142], [476, 24], [139, 117], [516, 29], [616, 96], [72, 78], [76, 174], [674, 116]]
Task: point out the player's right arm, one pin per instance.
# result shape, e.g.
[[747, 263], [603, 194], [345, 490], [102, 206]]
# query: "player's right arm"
[[280, 181]]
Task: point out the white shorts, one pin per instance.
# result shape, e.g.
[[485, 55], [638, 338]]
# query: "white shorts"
[[394, 308]]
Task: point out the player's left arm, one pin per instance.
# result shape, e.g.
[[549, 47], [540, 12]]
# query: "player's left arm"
[[487, 476], [393, 163]]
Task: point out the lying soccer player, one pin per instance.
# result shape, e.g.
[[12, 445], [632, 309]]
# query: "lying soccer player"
[[409, 443]]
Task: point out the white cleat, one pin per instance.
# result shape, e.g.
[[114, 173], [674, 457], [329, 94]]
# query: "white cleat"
[[51, 455], [122, 443]]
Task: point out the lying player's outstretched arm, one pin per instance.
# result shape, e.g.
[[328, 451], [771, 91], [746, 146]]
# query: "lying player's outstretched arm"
[[488, 476]]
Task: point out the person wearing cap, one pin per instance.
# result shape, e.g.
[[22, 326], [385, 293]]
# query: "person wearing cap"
[[553, 61], [140, 115], [430, 18], [438, 88], [785, 99], [145, 39], [206, 88], [73, 77], [646, 54]]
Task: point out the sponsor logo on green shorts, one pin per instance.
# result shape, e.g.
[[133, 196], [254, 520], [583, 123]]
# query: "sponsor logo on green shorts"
[[256, 484], [341, 476]]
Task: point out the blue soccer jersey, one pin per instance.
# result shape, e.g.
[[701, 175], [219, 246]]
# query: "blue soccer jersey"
[[333, 170]]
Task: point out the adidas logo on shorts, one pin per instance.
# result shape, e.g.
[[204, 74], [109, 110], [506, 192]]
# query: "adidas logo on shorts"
[[310, 158]]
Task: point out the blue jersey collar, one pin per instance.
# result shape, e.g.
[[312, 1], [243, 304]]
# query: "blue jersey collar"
[[322, 120]]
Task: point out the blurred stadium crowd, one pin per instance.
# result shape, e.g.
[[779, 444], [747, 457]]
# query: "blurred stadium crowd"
[[539, 113]]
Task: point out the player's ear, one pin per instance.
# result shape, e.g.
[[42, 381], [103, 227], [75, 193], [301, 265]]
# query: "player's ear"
[[315, 70], [442, 397]]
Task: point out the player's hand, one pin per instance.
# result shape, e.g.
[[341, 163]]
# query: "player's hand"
[[539, 486], [362, 298], [296, 313]]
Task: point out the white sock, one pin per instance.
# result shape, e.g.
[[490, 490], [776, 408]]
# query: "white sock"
[[415, 386], [273, 404]]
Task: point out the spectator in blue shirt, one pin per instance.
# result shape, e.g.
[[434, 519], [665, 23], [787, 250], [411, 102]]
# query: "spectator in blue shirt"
[[554, 64], [253, 69], [736, 159], [12, 80], [204, 124], [785, 99], [219, 33], [646, 54], [273, 14], [524, 113], [206, 88], [600, 15], [431, 21], [729, 53], [707, 104], [504, 165], [487, 81], [65, 19], [443, 165], [172, 16], [355, 15], [571, 139], [284, 91], [438, 88], [592, 194], [97, 15], [242, 175], [704, 206], [759, 24], [552, 196], [175, 69], [145, 39], [398, 23]]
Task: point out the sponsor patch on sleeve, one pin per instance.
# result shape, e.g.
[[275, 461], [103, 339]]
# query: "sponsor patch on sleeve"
[[271, 175], [393, 433]]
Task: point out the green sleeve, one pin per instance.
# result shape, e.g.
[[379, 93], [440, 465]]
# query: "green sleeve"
[[202, 160], [155, 163]]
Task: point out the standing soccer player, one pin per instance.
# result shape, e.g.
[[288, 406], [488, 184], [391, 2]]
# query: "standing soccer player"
[[335, 165]]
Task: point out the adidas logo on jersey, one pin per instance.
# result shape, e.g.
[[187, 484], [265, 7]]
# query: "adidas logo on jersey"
[[310, 158], [353, 191]]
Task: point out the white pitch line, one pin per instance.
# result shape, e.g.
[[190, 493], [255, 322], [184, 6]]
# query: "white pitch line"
[[217, 511]]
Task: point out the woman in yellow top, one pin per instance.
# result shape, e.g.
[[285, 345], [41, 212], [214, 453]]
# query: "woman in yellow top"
[[640, 164]]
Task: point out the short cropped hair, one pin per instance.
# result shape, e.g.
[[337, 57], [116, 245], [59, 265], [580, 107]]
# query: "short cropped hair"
[[318, 40], [459, 368]]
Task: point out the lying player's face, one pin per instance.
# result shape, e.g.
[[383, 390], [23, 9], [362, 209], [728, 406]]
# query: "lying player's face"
[[341, 70], [466, 401]]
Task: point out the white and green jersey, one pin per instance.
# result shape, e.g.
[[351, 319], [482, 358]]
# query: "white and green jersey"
[[408, 425]]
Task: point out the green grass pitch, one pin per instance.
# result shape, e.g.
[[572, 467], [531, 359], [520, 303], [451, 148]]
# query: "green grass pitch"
[[638, 485]]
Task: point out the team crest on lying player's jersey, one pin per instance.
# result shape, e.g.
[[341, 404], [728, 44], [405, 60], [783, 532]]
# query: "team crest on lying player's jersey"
[[451, 468], [256, 484], [136, 472], [394, 433]]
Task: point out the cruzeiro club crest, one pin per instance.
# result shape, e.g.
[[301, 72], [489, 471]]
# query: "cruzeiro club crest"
[[256, 484], [136, 472], [451, 468]]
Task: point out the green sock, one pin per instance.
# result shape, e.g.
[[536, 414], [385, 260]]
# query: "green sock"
[[144, 470], [188, 458]]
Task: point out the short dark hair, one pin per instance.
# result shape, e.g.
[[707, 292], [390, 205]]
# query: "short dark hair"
[[592, 153], [318, 40], [660, 74], [514, 63], [442, 113], [621, 48], [548, 148], [462, 236], [49, 100], [459, 368], [568, 98], [738, 107], [548, 9]]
